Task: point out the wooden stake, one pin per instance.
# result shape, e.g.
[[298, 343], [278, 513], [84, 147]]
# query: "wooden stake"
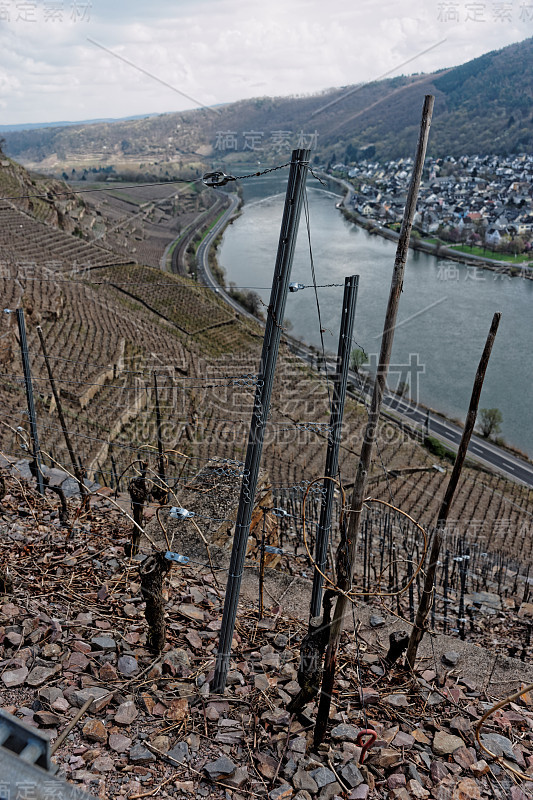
[[78, 472], [347, 548], [425, 601]]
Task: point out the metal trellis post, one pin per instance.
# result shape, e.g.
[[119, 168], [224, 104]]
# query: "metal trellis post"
[[334, 439], [269, 355], [29, 398]]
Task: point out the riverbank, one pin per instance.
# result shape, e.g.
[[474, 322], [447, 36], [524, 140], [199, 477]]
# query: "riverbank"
[[411, 420], [439, 250]]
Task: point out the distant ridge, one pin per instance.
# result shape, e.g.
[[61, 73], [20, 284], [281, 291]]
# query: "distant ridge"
[[28, 126]]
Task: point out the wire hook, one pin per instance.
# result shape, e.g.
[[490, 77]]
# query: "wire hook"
[[366, 745]]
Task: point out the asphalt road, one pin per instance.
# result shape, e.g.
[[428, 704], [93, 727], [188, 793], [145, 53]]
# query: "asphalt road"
[[480, 450]]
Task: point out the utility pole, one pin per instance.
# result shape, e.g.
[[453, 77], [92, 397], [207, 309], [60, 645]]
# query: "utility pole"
[[348, 547], [334, 439], [78, 472], [427, 593], [29, 398], [263, 393]]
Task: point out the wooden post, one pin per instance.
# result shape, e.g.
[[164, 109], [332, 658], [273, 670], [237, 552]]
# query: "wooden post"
[[347, 548], [159, 491], [425, 601], [78, 471]]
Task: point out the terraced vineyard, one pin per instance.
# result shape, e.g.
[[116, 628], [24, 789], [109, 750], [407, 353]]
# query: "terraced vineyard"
[[178, 301], [112, 326], [141, 221], [27, 242]]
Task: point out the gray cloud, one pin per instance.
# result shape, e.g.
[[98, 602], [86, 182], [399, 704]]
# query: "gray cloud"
[[223, 50]]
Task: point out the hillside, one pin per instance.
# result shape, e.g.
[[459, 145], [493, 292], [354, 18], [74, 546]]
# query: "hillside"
[[73, 615], [485, 105], [115, 323]]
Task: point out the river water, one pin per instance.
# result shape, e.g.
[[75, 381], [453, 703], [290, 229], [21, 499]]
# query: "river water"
[[445, 309]]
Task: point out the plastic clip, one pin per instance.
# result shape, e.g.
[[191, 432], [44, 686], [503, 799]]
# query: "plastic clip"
[[176, 557], [176, 512], [274, 550]]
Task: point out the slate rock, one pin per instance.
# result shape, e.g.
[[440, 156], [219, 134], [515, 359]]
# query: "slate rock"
[[371, 697], [451, 658], [499, 745], [416, 790], [103, 764], [283, 792], [468, 788], [445, 743], [403, 740], [323, 776], [127, 665], [40, 675], [360, 793], [15, 677], [289, 769], [460, 724], [102, 697], [396, 700], [46, 719], [298, 745], [438, 771], [119, 743], [465, 757], [518, 794], [126, 713], [345, 733], [330, 791], [177, 663], [270, 661], [376, 621], [139, 754], [479, 768], [304, 780], [108, 672], [161, 742], [180, 752], [396, 781], [223, 767], [191, 612], [104, 643], [261, 682], [387, 757], [94, 730], [49, 694], [238, 779], [351, 775]]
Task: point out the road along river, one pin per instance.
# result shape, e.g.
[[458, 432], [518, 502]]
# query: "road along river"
[[445, 311]]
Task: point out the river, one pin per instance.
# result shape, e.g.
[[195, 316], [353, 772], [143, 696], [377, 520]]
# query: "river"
[[445, 310]]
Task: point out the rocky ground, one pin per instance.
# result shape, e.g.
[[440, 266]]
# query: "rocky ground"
[[72, 627]]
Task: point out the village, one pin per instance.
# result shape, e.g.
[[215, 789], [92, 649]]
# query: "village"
[[483, 202]]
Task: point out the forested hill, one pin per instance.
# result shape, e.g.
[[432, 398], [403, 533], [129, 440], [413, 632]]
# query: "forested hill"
[[485, 105]]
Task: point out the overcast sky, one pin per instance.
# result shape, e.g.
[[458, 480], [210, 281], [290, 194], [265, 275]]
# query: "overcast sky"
[[216, 51]]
